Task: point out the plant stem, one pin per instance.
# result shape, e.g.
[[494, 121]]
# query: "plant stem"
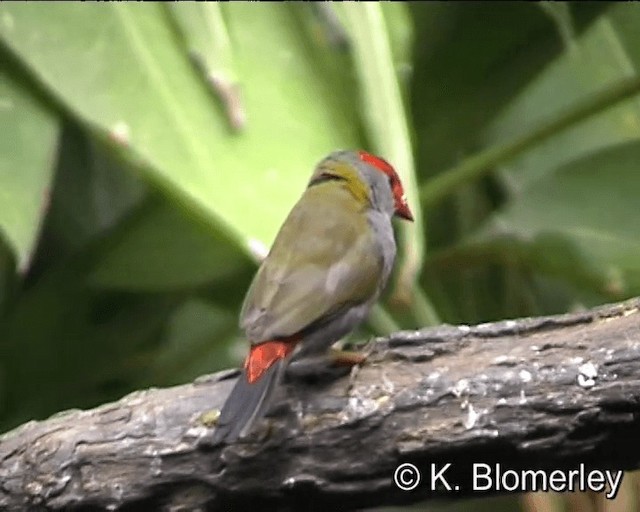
[[436, 189], [424, 311], [387, 127], [381, 321]]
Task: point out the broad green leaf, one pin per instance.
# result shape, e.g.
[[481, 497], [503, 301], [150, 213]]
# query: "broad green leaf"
[[199, 339], [120, 69], [582, 223], [27, 160], [7, 277], [150, 246], [560, 14], [143, 246], [91, 193], [472, 59], [161, 248], [501, 275], [65, 346], [205, 31], [401, 36], [605, 53], [387, 126]]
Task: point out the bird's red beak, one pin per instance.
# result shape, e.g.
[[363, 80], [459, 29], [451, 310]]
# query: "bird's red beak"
[[402, 210]]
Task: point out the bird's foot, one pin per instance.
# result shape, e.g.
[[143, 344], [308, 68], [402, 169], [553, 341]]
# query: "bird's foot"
[[346, 357]]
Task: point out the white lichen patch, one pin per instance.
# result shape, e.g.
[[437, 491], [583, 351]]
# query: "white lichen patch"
[[381, 401], [472, 417], [156, 466], [387, 384], [523, 397], [34, 488], [360, 407], [433, 376], [196, 432], [525, 376], [289, 482], [587, 374], [461, 387], [589, 370], [503, 359]]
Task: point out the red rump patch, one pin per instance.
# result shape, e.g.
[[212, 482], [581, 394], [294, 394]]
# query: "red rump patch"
[[261, 357]]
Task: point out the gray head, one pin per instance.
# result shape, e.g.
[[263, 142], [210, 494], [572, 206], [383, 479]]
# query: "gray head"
[[384, 187]]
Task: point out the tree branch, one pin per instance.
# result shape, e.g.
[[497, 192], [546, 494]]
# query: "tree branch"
[[544, 393]]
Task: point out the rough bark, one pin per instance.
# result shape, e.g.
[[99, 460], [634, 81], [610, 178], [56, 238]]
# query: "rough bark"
[[544, 393]]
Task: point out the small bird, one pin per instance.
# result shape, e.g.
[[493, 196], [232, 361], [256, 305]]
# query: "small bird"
[[327, 266]]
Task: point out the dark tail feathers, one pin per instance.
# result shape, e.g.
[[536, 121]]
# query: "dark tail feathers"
[[246, 404]]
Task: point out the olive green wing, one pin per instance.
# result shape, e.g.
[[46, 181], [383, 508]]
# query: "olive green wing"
[[324, 258]]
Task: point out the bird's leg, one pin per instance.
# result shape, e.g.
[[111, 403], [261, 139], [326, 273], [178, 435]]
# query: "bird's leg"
[[341, 357], [351, 357], [348, 358], [330, 365], [354, 359], [318, 368]]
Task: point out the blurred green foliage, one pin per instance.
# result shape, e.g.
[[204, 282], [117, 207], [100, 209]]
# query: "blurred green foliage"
[[149, 153]]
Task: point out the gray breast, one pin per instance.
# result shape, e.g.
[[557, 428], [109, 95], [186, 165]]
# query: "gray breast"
[[383, 230]]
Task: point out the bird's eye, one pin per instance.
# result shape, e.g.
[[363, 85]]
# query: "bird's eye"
[[394, 183]]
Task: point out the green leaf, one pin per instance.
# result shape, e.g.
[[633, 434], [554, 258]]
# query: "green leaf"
[[160, 248], [471, 59], [604, 54], [582, 222], [200, 338], [63, 345], [388, 129], [91, 193], [7, 277], [207, 38], [500, 154], [121, 70], [460, 86], [205, 30], [401, 36], [149, 245], [27, 158], [560, 14]]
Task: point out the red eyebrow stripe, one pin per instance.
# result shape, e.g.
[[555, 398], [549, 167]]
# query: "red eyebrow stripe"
[[378, 163]]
